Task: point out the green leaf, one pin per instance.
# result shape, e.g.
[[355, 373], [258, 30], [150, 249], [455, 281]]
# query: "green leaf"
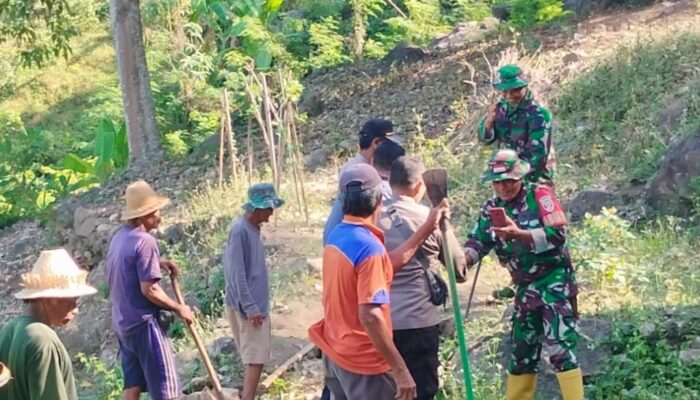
[[250, 8], [77, 164], [237, 28], [263, 58], [220, 10], [271, 6], [44, 198], [104, 145], [121, 147]]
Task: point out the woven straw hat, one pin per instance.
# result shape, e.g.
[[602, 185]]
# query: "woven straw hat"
[[5, 375], [54, 275], [142, 200]]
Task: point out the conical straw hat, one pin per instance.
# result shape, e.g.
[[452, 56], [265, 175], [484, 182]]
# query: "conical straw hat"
[[5, 375], [54, 274], [142, 200]]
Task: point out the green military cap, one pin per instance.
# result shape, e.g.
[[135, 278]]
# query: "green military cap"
[[262, 195], [510, 77], [503, 165]]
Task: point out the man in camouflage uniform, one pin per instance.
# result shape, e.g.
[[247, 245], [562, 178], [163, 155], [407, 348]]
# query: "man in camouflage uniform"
[[517, 121], [532, 247]]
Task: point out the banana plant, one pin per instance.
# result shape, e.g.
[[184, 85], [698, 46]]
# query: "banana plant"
[[111, 154], [240, 24]]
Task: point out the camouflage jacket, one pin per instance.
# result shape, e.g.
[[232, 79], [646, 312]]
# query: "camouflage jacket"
[[527, 129], [542, 270]]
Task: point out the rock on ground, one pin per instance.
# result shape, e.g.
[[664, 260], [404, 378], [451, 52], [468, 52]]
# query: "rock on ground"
[[590, 201], [671, 190]]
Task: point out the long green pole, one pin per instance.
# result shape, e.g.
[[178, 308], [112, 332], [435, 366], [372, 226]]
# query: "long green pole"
[[461, 336]]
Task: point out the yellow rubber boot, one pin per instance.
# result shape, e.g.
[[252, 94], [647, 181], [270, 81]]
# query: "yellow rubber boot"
[[521, 387], [571, 384]]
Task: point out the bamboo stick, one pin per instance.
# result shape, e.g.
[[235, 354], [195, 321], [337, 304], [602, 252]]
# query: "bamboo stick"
[[268, 121], [221, 154], [231, 144], [300, 168], [250, 151]]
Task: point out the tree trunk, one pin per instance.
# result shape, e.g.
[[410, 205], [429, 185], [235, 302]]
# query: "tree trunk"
[[359, 27], [139, 111]]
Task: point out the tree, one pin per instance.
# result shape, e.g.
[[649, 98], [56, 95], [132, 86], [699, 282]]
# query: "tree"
[[359, 21], [144, 143], [42, 29]]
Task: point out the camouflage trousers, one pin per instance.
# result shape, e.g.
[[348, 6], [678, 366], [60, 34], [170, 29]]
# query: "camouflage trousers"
[[553, 325]]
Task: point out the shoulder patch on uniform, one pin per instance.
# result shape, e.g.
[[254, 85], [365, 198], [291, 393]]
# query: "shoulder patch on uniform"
[[547, 203], [550, 210], [381, 296]]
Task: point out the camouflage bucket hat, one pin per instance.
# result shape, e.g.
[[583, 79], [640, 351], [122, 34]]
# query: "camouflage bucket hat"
[[503, 165], [510, 77], [262, 195]]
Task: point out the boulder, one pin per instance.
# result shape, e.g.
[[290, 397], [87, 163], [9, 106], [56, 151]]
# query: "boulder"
[[671, 190], [174, 233], [223, 346], [501, 11], [695, 344], [88, 226], [208, 147], [590, 201], [670, 118], [198, 383], [571, 58], [403, 54], [648, 330], [593, 352], [689, 356], [84, 221], [316, 159], [312, 102], [64, 215], [489, 24]]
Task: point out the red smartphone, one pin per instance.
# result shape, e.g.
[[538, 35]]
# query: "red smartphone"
[[498, 217]]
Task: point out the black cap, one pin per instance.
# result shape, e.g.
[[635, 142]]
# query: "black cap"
[[377, 128]]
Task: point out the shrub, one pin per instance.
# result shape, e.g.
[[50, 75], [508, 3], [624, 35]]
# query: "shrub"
[[328, 44]]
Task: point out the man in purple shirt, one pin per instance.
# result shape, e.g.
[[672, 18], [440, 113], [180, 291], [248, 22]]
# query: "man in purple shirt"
[[133, 275]]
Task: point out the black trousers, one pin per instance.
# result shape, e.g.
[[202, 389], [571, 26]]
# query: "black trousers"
[[419, 349]]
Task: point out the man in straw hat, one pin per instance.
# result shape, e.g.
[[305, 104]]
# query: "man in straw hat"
[[41, 366], [247, 284], [134, 274], [526, 227]]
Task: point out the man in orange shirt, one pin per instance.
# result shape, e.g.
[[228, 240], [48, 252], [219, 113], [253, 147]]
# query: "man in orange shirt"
[[359, 357]]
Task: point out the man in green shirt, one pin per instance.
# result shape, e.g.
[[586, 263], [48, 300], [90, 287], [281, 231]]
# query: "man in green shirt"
[[41, 366]]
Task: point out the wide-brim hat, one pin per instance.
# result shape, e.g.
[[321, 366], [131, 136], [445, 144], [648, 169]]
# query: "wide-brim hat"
[[510, 77], [54, 275], [142, 200], [5, 374], [503, 165], [262, 195]]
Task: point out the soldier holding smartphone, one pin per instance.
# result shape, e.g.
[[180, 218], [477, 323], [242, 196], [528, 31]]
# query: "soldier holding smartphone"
[[525, 225]]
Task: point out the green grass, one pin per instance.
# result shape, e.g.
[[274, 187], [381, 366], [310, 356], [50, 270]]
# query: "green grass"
[[607, 116], [69, 97]]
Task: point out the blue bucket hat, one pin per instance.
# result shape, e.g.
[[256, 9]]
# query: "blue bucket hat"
[[262, 195]]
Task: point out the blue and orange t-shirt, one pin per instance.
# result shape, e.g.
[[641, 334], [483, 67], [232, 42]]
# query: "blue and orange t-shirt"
[[356, 270]]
